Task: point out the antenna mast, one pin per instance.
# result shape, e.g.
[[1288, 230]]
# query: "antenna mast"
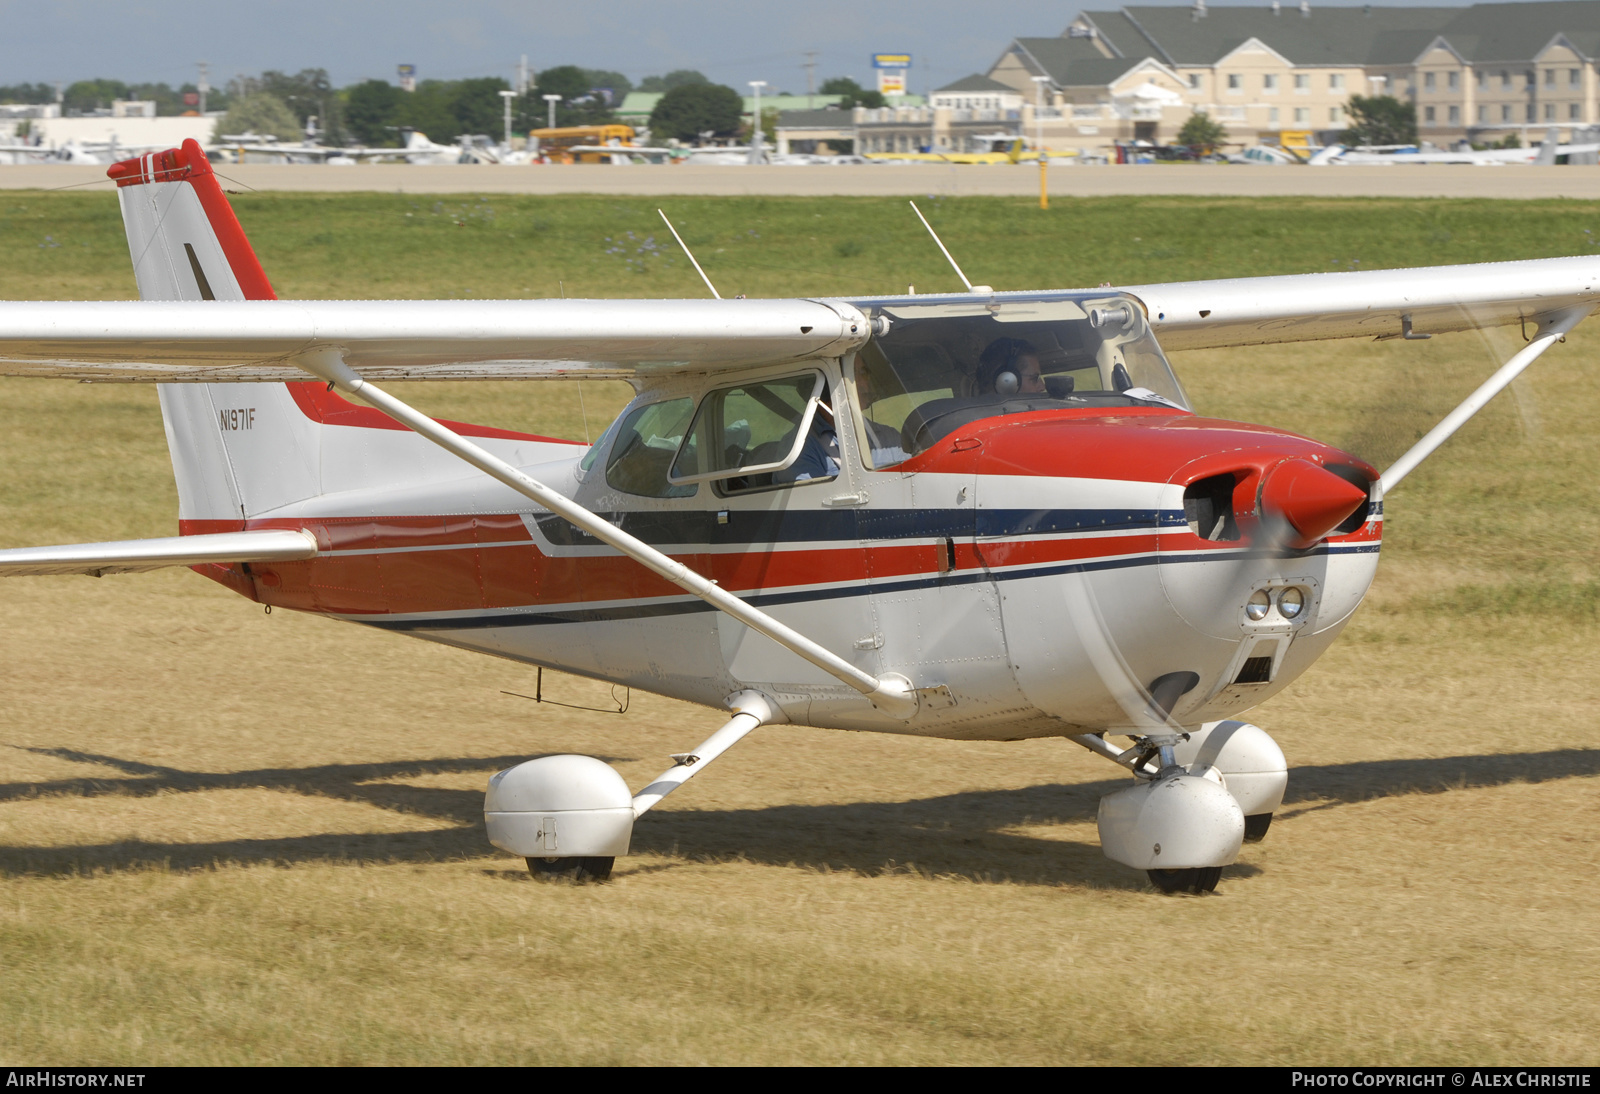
[[690, 253], [947, 257]]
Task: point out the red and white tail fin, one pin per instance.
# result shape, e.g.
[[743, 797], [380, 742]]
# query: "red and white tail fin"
[[245, 450], [185, 241], [238, 450]]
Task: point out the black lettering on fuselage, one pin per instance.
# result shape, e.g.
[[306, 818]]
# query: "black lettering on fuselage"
[[233, 420]]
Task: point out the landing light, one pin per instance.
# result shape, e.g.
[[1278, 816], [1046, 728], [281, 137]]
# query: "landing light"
[[1258, 605], [1291, 602]]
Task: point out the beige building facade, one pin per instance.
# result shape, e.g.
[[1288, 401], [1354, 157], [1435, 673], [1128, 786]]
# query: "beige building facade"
[[1279, 74]]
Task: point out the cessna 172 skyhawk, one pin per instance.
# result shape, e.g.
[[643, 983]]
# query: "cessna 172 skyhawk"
[[985, 515]]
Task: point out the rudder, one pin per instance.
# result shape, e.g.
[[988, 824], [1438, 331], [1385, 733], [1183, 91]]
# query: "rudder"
[[237, 449]]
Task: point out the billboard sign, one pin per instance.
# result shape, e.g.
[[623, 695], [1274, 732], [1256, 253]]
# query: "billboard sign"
[[408, 77], [891, 69]]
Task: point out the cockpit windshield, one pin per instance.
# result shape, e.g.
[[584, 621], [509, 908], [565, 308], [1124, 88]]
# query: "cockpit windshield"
[[943, 365]]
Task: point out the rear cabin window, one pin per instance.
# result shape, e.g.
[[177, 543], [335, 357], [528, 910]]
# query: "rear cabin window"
[[942, 366]]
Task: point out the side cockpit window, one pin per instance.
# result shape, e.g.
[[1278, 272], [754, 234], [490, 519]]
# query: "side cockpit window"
[[644, 447], [759, 435]]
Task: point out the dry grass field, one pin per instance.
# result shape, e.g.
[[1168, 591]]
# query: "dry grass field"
[[227, 837]]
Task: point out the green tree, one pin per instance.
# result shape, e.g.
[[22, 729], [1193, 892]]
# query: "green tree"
[[262, 114], [1380, 119], [371, 113], [676, 78], [308, 93], [1202, 131], [689, 110], [447, 109], [28, 93], [579, 104], [602, 79], [854, 94], [88, 95], [168, 102]]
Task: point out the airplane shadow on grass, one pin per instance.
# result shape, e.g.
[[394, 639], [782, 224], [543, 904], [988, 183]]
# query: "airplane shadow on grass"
[[972, 834]]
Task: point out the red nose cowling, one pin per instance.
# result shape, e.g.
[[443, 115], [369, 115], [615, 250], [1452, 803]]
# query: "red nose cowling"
[[1312, 499]]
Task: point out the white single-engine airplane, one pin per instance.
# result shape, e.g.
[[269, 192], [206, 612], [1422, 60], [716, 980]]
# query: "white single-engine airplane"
[[982, 516]]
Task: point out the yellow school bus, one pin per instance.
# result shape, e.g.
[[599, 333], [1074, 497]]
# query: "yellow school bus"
[[558, 143]]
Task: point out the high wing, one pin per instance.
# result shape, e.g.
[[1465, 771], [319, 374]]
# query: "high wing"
[[245, 341], [1247, 311], [214, 341]]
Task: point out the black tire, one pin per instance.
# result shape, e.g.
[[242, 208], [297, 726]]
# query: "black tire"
[[1199, 879], [1255, 828], [571, 869]]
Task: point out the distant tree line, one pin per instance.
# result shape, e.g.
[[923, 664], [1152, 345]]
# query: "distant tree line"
[[86, 96], [376, 113]]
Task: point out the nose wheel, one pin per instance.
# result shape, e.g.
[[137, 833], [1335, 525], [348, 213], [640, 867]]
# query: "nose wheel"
[[575, 869], [1200, 879]]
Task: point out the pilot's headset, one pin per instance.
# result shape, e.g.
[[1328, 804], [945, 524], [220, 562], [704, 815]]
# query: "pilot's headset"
[[997, 367]]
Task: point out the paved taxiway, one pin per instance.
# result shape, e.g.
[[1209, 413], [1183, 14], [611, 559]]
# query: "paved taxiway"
[[1445, 181]]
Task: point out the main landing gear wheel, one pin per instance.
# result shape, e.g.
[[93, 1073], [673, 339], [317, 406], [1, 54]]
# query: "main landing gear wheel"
[[1200, 879], [1255, 827], [575, 869]]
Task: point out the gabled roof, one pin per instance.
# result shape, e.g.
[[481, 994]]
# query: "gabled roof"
[[1100, 72], [1519, 32], [977, 83], [1049, 56], [1079, 64], [1330, 36], [1368, 35]]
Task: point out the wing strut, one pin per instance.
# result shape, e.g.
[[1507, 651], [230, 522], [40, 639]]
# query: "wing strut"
[[890, 693], [1551, 328]]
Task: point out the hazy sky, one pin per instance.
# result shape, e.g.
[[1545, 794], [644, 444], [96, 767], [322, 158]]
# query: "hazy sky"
[[157, 40]]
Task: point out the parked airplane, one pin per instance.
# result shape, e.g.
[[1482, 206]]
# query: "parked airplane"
[[982, 515], [1545, 154], [1013, 153]]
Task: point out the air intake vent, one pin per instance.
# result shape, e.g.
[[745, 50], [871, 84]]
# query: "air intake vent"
[[1256, 670], [1208, 506]]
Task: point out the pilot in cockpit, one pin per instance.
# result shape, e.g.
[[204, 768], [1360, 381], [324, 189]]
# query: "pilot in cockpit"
[[819, 456], [1009, 366]]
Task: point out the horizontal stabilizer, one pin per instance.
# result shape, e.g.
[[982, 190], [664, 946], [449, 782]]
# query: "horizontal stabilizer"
[[130, 556]]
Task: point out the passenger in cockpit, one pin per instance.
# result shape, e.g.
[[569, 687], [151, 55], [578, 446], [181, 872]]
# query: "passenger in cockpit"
[[1009, 366]]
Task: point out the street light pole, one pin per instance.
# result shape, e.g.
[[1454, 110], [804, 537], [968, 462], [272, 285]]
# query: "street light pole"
[[1038, 113], [508, 96], [757, 145]]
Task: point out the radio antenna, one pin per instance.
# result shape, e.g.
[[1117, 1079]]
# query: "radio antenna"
[[690, 253], [947, 257]]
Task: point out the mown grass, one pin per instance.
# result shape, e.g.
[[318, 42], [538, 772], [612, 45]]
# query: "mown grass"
[[233, 838], [360, 246]]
